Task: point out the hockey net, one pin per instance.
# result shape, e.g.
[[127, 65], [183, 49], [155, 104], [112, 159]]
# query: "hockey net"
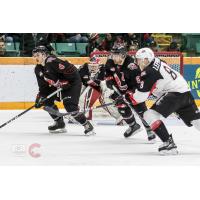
[[173, 59]]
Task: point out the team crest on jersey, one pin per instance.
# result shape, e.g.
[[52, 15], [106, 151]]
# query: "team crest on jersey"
[[61, 66], [132, 66], [143, 73]]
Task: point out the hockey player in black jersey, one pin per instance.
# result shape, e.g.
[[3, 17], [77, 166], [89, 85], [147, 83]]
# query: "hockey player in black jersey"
[[173, 95], [123, 74], [53, 73], [44, 90], [93, 79]]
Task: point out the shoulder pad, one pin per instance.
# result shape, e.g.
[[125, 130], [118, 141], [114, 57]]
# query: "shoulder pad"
[[50, 59]]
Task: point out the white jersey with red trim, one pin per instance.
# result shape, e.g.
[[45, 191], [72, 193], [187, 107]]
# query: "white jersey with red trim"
[[157, 79]]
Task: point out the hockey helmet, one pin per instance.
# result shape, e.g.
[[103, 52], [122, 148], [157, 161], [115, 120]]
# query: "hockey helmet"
[[40, 49], [119, 49], [94, 64], [144, 57], [145, 53], [118, 54]]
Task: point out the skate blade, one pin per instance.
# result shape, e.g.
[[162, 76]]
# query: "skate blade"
[[58, 131], [90, 133], [169, 152]]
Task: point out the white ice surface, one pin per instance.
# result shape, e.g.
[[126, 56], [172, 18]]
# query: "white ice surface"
[[108, 147]]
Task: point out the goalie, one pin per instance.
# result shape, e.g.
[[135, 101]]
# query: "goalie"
[[94, 88]]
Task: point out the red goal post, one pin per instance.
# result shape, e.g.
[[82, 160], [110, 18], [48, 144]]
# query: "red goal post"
[[173, 59]]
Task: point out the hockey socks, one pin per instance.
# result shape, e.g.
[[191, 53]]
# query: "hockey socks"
[[159, 128]]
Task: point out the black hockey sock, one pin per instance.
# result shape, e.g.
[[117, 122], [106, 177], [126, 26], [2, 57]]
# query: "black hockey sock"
[[54, 117], [127, 115], [80, 117], [161, 131]]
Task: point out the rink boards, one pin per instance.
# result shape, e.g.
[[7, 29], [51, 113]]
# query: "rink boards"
[[19, 86]]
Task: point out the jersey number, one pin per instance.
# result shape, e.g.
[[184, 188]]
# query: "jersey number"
[[169, 71]]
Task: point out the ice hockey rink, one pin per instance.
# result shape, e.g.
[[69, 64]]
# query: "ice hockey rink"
[[26, 141]]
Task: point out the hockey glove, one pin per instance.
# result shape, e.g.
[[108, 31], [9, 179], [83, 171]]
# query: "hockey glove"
[[58, 83], [39, 101]]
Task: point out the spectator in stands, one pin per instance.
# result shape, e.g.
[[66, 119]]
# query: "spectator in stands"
[[2, 47], [132, 41], [173, 47], [15, 36], [147, 39], [6, 37], [153, 46], [3, 52], [77, 38], [94, 43], [107, 43], [119, 41], [30, 40], [133, 47], [57, 37]]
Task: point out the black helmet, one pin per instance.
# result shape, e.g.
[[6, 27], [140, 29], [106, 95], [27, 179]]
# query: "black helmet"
[[41, 49], [119, 49]]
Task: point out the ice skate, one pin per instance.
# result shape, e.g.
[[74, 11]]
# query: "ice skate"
[[89, 129], [58, 127], [168, 147], [132, 130]]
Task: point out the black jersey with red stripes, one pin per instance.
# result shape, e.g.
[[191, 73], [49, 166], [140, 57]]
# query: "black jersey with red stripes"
[[57, 69], [44, 87], [124, 77]]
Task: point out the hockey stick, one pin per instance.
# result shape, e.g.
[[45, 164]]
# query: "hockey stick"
[[120, 95], [22, 113], [57, 113]]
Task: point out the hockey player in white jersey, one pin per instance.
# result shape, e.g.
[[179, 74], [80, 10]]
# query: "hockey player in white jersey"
[[173, 95]]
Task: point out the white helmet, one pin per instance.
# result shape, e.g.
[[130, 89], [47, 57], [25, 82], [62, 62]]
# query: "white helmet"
[[145, 53]]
